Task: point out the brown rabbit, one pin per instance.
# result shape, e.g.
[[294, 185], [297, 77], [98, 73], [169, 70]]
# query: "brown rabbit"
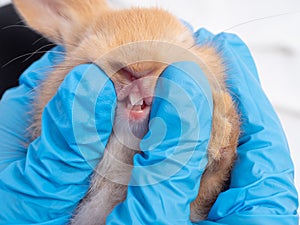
[[133, 46]]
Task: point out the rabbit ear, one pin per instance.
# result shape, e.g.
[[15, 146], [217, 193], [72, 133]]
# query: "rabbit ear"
[[60, 20]]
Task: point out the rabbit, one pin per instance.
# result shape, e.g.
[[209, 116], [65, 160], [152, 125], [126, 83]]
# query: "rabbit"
[[133, 47]]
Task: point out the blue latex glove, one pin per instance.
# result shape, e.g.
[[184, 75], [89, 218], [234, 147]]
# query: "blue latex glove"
[[166, 201], [261, 190], [42, 184], [262, 187]]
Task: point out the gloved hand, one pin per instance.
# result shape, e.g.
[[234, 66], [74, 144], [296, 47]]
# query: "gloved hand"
[[261, 189], [43, 184], [250, 199]]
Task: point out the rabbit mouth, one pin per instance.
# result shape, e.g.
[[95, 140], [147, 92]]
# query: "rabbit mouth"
[[137, 109]]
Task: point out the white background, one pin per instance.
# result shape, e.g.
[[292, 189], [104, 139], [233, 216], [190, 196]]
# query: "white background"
[[271, 29]]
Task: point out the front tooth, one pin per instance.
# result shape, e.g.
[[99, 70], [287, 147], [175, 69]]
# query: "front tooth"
[[135, 99], [140, 102]]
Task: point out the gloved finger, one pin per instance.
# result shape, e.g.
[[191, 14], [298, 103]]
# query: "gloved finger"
[[261, 189], [16, 105], [48, 184], [236, 48], [166, 176], [203, 37]]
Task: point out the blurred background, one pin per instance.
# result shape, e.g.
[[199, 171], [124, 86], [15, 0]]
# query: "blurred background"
[[271, 29]]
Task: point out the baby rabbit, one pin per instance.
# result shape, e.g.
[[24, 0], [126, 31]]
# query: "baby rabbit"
[[133, 46]]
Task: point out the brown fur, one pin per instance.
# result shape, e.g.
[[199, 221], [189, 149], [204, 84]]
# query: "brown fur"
[[91, 32]]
